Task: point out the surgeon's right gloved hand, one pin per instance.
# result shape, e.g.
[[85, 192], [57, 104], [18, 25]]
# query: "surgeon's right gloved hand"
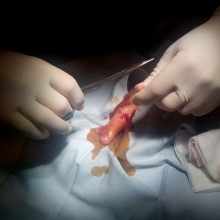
[[36, 97], [187, 78]]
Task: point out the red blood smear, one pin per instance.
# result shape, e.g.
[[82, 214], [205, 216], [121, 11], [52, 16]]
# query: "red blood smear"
[[122, 113]]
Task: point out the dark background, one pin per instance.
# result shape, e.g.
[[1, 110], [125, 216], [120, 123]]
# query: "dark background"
[[59, 32]]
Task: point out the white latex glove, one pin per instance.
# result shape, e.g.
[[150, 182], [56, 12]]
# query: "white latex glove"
[[35, 95], [187, 78]]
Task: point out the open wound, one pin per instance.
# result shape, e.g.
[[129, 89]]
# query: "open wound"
[[115, 135]]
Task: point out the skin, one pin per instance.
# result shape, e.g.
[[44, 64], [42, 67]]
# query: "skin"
[[121, 117], [187, 77], [36, 95]]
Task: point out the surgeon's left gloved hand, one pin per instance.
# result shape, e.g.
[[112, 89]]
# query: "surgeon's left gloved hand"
[[187, 78]]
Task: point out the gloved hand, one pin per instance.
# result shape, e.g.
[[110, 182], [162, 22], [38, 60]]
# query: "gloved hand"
[[35, 95], [187, 78]]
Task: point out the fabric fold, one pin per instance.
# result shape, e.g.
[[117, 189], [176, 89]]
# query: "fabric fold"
[[200, 155]]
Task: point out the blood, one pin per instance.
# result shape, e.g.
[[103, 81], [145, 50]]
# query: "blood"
[[125, 110]]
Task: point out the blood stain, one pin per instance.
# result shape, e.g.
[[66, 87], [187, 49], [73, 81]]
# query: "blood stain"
[[115, 100], [99, 170], [120, 145]]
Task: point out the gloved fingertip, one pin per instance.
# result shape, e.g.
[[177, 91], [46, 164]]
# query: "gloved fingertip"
[[79, 105], [43, 134], [136, 101], [80, 108], [139, 87], [69, 130]]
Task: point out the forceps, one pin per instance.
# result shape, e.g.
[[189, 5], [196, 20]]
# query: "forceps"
[[93, 86]]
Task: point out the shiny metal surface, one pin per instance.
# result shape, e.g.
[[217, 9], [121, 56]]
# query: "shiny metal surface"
[[93, 86]]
